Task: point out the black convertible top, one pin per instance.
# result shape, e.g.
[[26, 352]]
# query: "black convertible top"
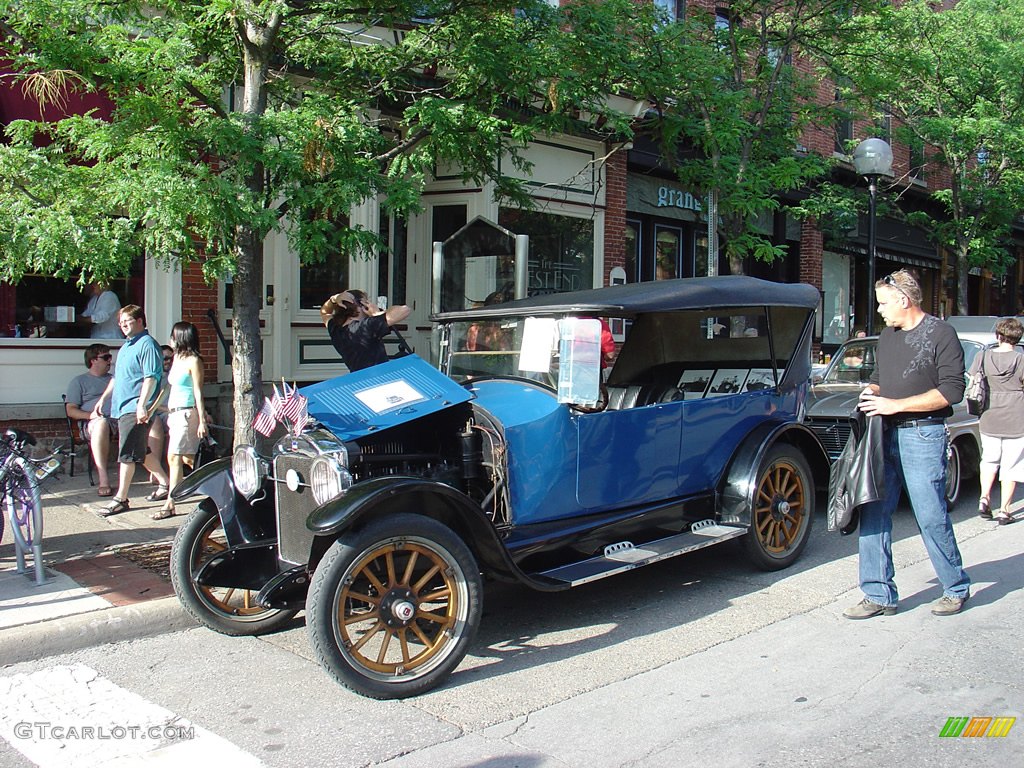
[[656, 296]]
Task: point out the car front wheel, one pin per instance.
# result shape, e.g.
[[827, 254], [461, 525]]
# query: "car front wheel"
[[393, 607], [953, 474], [782, 510], [229, 610]]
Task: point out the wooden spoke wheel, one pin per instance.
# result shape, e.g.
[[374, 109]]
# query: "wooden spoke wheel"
[[229, 610], [392, 608], [783, 508]]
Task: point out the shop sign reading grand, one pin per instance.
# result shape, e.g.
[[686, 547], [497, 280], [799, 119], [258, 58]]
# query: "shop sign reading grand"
[[676, 198]]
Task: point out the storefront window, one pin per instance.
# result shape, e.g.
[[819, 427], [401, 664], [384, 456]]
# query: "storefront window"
[[632, 251], [700, 256], [835, 285], [561, 249], [668, 248], [325, 278], [48, 307]]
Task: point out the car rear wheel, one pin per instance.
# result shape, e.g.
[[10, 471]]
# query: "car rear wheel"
[[393, 607], [230, 611], [953, 474], [782, 510]]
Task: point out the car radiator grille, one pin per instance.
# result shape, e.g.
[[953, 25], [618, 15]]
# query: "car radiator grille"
[[833, 434], [293, 507]]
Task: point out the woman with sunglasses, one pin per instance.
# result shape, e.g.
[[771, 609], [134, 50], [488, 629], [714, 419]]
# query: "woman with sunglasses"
[[186, 413], [357, 327]]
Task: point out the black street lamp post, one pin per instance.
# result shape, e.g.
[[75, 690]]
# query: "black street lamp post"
[[872, 158]]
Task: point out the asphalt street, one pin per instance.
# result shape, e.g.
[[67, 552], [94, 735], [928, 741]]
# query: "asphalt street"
[[697, 660]]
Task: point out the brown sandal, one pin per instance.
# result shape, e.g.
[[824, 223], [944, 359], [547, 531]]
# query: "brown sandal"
[[1003, 517], [115, 507], [163, 513]]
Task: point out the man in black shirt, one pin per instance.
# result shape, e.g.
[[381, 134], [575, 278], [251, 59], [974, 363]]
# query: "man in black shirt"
[[919, 374], [357, 327]]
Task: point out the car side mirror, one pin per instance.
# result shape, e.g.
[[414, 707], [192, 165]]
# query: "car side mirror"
[[817, 378]]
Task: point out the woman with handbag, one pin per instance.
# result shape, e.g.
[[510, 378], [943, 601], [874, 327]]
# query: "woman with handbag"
[[1002, 422]]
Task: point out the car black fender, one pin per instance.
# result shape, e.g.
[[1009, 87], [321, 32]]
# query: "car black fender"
[[736, 493], [390, 495], [244, 521]]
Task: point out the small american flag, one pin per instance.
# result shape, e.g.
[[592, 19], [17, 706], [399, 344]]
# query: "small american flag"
[[277, 402], [293, 406], [265, 422]]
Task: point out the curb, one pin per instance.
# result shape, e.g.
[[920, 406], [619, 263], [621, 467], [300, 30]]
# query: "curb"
[[30, 642]]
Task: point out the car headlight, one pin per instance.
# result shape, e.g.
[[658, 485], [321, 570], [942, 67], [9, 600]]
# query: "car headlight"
[[247, 470], [329, 479]]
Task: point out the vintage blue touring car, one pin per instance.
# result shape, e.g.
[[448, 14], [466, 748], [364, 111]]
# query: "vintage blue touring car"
[[516, 458]]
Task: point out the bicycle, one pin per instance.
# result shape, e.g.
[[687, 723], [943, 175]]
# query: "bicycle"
[[20, 478]]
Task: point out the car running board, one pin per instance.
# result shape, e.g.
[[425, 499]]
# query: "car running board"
[[625, 556]]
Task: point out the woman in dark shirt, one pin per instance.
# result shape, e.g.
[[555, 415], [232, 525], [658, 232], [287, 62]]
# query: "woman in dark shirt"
[[357, 327]]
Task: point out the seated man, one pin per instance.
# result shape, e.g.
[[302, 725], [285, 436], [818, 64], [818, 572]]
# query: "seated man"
[[83, 392]]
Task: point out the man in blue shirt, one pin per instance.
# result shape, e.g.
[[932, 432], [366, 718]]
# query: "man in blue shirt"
[[134, 392]]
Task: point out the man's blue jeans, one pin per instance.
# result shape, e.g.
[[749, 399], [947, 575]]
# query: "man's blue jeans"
[[915, 458]]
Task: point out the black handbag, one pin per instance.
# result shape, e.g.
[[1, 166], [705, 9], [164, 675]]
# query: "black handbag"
[[977, 390]]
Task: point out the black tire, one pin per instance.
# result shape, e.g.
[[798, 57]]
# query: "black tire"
[[22, 506], [228, 611], [954, 474], [393, 607], [783, 509]]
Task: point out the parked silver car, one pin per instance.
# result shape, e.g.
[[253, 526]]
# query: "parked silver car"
[[833, 399]]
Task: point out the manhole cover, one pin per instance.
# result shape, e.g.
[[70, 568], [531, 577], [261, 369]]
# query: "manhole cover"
[[155, 558]]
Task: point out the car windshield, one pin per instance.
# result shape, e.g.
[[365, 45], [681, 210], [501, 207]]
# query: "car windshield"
[[496, 347], [853, 364]]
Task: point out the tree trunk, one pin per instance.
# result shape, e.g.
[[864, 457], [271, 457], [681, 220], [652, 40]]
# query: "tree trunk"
[[247, 357], [247, 361], [961, 280]]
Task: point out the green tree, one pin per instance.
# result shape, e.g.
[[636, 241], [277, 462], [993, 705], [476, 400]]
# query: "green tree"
[[336, 104], [952, 78], [740, 90]]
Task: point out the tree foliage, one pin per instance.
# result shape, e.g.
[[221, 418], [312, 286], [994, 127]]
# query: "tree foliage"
[[952, 78], [741, 89], [230, 119]]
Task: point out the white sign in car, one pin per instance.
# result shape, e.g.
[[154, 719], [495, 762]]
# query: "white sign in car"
[[385, 397], [539, 336]]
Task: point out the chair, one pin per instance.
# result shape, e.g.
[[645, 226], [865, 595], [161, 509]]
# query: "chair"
[[76, 438]]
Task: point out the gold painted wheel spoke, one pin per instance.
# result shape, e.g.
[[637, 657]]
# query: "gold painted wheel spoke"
[[362, 598], [382, 653], [372, 578], [436, 595], [433, 571], [376, 628], [403, 641], [433, 617], [410, 567], [359, 618], [389, 559], [420, 635]]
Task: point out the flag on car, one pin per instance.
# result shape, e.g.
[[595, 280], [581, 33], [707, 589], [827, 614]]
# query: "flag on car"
[[293, 406], [277, 402], [265, 422]]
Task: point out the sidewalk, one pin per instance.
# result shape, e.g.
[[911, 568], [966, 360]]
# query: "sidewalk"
[[106, 578]]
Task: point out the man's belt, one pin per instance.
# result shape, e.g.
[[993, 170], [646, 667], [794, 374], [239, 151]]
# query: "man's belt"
[[927, 421]]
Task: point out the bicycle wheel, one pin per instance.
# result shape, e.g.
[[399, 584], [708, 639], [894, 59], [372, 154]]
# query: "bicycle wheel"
[[22, 506]]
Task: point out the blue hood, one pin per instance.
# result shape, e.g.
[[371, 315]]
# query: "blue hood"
[[382, 396]]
